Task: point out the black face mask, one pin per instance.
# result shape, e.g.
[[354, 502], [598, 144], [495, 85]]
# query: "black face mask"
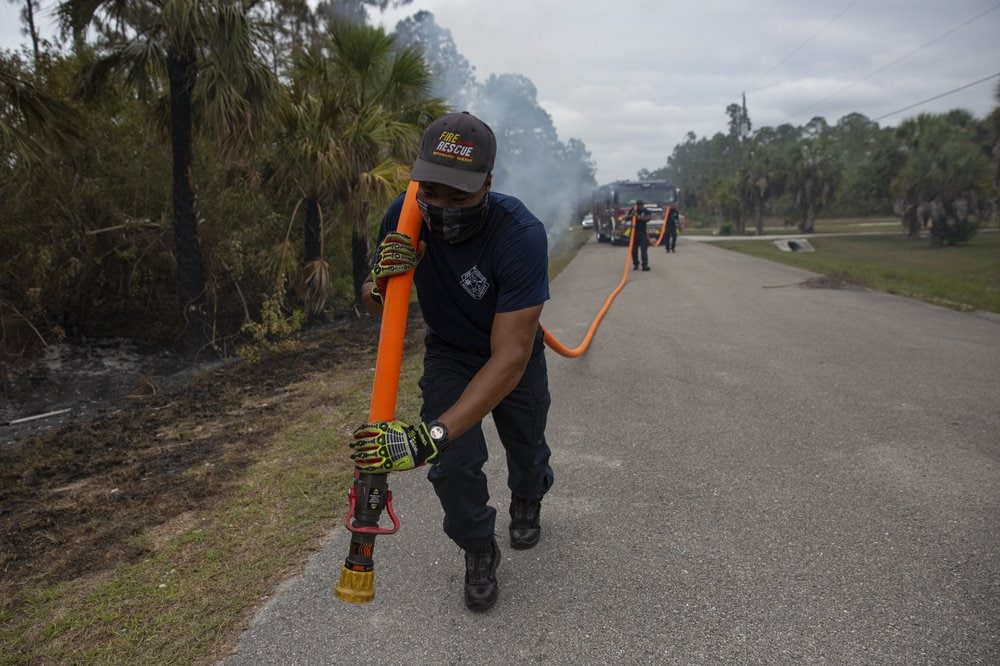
[[455, 224]]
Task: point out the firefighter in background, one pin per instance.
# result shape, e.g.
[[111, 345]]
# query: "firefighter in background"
[[640, 240], [670, 229]]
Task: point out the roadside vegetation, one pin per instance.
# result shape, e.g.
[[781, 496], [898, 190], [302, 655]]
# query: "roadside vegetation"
[[208, 175]]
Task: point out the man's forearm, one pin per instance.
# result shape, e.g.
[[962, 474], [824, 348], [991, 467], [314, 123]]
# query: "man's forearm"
[[373, 307], [494, 381]]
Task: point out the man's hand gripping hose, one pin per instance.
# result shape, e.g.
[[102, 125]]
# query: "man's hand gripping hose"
[[395, 256], [392, 446], [370, 494]]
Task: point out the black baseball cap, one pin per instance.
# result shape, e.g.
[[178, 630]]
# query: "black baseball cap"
[[457, 150]]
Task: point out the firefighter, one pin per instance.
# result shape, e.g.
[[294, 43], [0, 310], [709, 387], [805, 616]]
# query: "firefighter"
[[481, 281], [640, 236], [670, 229]]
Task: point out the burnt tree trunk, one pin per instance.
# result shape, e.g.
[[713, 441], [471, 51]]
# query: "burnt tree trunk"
[[360, 251], [182, 74], [313, 230]]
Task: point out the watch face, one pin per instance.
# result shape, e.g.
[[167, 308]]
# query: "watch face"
[[437, 432]]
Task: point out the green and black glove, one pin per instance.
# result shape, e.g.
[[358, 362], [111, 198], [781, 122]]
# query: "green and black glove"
[[392, 446], [395, 256]]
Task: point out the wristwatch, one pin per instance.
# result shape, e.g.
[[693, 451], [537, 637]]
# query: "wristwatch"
[[439, 433]]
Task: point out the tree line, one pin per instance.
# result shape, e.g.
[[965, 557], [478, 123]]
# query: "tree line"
[[207, 172], [938, 173]]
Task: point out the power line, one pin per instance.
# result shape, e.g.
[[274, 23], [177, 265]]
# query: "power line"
[[944, 94], [800, 46], [896, 61]]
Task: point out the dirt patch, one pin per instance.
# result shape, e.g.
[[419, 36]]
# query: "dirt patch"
[[819, 282], [827, 282], [73, 499]]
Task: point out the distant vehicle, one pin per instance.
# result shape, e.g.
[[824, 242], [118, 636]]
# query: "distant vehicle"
[[587, 221], [610, 205]]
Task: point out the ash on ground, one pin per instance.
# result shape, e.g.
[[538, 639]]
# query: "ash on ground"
[[72, 382]]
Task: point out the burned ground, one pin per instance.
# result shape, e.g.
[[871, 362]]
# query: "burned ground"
[[73, 498]]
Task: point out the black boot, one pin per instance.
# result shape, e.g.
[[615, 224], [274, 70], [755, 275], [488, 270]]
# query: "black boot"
[[481, 577], [525, 526]]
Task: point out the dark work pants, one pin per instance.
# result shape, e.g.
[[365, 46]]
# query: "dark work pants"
[[640, 246], [520, 419], [671, 241]]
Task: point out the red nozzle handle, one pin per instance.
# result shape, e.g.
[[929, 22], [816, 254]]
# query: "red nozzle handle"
[[352, 497]]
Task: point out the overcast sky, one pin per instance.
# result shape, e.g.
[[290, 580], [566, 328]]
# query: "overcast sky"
[[630, 78]]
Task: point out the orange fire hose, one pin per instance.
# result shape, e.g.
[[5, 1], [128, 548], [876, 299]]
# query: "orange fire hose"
[[393, 329], [663, 229], [370, 494], [561, 349]]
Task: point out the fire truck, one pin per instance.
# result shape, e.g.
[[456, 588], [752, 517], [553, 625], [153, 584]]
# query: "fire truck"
[[610, 205]]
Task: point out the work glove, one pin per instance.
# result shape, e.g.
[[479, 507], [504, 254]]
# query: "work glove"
[[394, 256], [391, 446]]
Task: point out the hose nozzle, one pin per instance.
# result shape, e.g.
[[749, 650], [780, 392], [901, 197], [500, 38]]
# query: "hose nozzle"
[[366, 499], [355, 587]]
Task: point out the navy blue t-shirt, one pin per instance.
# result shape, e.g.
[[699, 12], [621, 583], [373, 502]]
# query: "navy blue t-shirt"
[[460, 287]]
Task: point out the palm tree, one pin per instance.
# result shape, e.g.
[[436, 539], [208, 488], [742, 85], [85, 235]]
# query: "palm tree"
[[201, 56], [386, 105], [303, 162], [349, 132], [814, 173], [32, 122], [754, 184], [946, 177]]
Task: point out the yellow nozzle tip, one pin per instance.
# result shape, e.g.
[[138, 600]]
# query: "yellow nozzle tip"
[[356, 587]]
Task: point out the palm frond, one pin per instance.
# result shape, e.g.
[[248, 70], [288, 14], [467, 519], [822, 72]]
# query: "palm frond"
[[32, 121], [314, 285], [385, 180], [143, 62], [236, 89]]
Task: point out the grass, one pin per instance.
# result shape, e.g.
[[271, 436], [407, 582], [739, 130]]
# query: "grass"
[[965, 278], [838, 225], [564, 247]]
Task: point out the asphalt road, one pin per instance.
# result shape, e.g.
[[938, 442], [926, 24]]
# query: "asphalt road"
[[747, 471]]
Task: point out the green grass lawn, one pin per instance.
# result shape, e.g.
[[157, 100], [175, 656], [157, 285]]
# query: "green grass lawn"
[[965, 278], [837, 225]]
